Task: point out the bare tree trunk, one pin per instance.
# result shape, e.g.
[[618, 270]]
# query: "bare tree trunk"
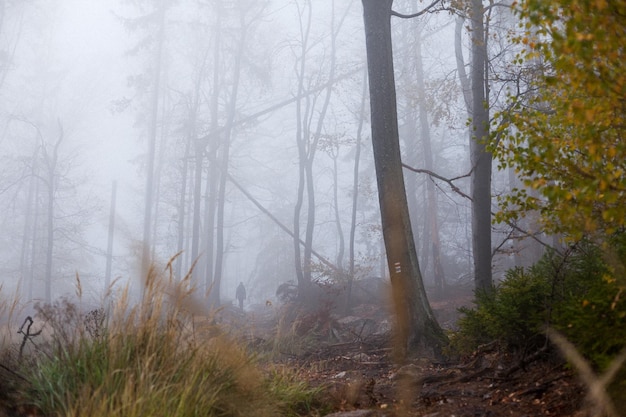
[[224, 162], [210, 205], [413, 189], [30, 216], [355, 191], [196, 227], [157, 171], [51, 160], [432, 206], [180, 241], [301, 138], [33, 248], [416, 323], [152, 137], [342, 240], [479, 156], [111, 235]]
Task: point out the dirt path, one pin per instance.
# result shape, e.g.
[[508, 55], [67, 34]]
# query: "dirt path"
[[353, 365], [366, 379]]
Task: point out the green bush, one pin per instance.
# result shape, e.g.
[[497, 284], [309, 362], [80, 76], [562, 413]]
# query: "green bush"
[[579, 294], [512, 315]]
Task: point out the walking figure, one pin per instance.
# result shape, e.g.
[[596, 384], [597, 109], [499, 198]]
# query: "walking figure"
[[241, 294]]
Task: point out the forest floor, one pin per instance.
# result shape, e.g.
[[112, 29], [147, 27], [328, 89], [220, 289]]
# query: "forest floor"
[[349, 358], [353, 366]]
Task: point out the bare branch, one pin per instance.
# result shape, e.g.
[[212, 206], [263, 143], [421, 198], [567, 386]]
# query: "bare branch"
[[411, 16], [450, 182]]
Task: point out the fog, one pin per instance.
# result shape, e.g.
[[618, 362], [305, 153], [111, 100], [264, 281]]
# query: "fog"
[[223, 111]]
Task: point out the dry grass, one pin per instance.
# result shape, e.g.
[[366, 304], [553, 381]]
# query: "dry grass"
[[149, 359]]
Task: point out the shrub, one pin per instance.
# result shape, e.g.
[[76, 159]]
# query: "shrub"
[[511, 315], [579, 293], [151, 360]]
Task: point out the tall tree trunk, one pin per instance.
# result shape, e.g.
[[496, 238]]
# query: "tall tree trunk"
[[224, 162], [412, 183], [479, 156], [432, 206], [26, 258], [210, 205], [180, 241], [158, 169], [111, 235], [304, 281], [196, 228], [415, 321], [51, 182], [146, 260], [341, 244], [33, 248], [355, 191]]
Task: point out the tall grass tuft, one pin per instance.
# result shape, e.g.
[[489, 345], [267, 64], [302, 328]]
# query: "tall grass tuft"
[[150, 359]]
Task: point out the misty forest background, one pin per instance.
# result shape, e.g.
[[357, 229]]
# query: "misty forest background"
[[237, 135]]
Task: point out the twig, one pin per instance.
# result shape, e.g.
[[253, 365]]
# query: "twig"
[[27, 335], [13, 372], [596, 384], [523, 362]]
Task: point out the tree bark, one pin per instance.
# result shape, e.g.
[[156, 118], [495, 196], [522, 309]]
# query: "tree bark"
[[432, 206], [479, 156], [111, 235], [51, 161], [146, 260], [301, 137], [355, 191], [416, 326]]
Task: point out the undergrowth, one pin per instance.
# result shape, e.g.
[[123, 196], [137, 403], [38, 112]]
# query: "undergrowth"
[[578, 293], [149, 359]]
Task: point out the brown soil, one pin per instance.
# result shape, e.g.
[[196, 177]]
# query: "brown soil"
[[353, 365], [362, 376], [349, 357]]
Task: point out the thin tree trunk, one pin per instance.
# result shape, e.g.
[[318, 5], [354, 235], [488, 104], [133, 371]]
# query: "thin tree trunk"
[[51, 164], [341, 244], [301, 137], [146, 260], [432, 206], [210, 205], [225, 159], [111, 235], [26, 263], [180, 241], [196, 227], [355, 191], [34, 239]]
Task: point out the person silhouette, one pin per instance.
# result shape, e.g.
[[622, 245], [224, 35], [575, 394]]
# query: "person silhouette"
[[241, 294]]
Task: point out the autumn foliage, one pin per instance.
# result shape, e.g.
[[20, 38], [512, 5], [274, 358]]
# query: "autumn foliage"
[[564, 132]]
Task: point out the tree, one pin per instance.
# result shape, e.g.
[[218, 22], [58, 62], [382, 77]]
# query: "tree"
[[480, 157], [416, 324], [355, 190], [416, 130], [476, 97], [146, 258], [433, 208], [308, 135], [565, 136]]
